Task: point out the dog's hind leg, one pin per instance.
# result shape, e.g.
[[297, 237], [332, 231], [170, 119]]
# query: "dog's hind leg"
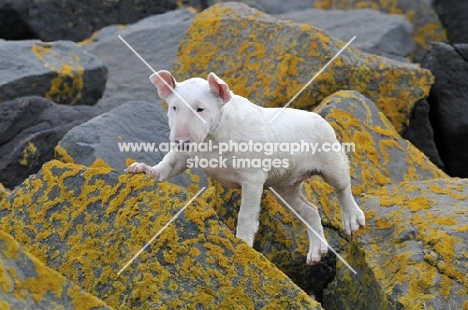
[[318, 246], [336, 173], [247, 220]]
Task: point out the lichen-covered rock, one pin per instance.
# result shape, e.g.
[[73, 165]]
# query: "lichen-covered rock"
[[128, 75], [87, 223], [394, 34], [26, 283], [271, 6], [420, 13], [114, 137], [269, 60], [30, 129], [412, 253], [448, 102], [4, 192], [60, 71], [381, 157]]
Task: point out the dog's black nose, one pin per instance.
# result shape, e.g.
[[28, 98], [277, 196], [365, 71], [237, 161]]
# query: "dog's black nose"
[[182, 145]]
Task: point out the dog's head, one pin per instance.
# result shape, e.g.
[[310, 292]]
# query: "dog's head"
[[194, 105]]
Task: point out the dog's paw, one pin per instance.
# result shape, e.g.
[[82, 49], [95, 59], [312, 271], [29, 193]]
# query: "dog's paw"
[[352, 220], [142, 168], [317, 251]]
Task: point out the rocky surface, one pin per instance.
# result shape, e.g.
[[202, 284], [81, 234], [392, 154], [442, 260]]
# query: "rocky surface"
[[412, 254], [394, 36], [86, 223], [28, 284], [270, 60], [420, 13], [133, 122], [272, 6], [52, 20], [59, 71], [30, 129], [453, 14], [155, 38], [448, 101], [381, 158]]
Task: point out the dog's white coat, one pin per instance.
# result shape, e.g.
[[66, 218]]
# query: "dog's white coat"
[[232, 117]]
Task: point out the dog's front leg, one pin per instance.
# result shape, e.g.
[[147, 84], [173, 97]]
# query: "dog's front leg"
[[247, 220], [171, 165]]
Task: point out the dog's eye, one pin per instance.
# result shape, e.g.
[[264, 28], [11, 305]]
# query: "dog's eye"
[[200, 110], [174, 108]]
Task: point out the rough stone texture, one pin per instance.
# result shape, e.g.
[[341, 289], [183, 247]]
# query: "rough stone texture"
[[269, 60], [133, 122], [87, 223], [421, 133], [28, 284], [52, 20], [272, 6], [412, 253], [448, 101], [381, 158], [4, 192], [155, 38], [452, 14], [59, 71], [30, 128], [394, 34], [420, 13]]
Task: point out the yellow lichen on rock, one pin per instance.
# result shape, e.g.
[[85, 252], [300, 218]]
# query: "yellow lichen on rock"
[[28, 152]]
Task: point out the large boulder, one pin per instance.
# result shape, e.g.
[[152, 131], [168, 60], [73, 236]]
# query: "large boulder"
[[59, 71], [270, 60], [136, 131], [52, 20], [155, 38], [448, 101], [412, 253], [31, 128], [420, 13], [86, 223], [380, 158], [393, 36], [28, 284], [452, 14], [272, 6]]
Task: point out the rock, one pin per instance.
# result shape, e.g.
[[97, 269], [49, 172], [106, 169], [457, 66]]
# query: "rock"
[[427, 27], [28, 284], [60, 71], [86, 223], [453, 14], [448, 101], [4, 192], [133, 122], [52, 20], [31, 128], [270, 60], [272, 6], [381, 158], [421, 133], [128, 75], [412, 254], [394, 34]]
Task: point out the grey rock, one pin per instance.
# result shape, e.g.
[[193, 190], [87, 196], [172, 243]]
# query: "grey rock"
[[453, 15], [155, 38], [22, 273], [52, 20], [273, 6], [448, 101], [392, 34], [133, 122], [30, 128], [60, 71]]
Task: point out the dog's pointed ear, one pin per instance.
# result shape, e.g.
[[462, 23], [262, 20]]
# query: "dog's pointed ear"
[[219, 88], [165, 83]]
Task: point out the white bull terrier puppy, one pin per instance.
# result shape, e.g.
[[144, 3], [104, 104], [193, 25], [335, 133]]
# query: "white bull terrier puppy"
[[230, 117]]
